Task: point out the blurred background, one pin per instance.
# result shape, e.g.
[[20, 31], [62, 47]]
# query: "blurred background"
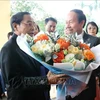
[[40, 9]]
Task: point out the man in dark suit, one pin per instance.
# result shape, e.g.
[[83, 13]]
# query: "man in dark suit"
[[22, 73], [75, 22]]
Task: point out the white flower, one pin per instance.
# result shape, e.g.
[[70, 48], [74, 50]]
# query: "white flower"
[[57, 47], [43, 48]]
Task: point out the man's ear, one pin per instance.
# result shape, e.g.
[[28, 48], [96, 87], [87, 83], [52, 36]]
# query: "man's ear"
[[82, 23], [15, 26]]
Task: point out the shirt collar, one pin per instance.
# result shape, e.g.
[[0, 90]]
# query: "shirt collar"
[[80, 36]]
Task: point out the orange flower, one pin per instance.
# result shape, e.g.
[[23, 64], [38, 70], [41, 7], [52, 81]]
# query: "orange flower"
[[89, 55], [83, 45], [41, 37], [60, 56], [63, 43]]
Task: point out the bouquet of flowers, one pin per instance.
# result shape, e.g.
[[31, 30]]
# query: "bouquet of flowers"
[[65, 55], [72, 52], [43, 46]]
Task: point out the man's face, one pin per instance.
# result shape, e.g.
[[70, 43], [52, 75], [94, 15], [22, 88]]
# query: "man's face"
[[50, 26], [72, 24], [26, 25]]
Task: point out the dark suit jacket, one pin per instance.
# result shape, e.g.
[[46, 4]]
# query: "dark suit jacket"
[[21, 73], [90, 92]]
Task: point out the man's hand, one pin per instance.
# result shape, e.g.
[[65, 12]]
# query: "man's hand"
[[56, 78]]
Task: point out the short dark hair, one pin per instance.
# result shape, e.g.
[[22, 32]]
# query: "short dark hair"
[[17, 18], [50, 19], [94, 24], [9, 34], [81, 15]]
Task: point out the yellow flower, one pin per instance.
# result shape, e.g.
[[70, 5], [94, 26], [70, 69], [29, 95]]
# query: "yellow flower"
[[72, 49], [75, 50], [34, 49]]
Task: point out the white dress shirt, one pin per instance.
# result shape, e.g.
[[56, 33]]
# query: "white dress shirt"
[[79, 37]]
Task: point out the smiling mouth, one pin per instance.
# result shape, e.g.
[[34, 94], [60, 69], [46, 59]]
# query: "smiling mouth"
[[92, 32], [68, 30], [31, 33]]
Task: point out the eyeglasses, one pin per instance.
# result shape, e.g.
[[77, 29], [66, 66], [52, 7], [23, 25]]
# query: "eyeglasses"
[[29, 23]]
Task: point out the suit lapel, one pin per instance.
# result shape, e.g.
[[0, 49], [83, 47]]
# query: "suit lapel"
[[88, 40]]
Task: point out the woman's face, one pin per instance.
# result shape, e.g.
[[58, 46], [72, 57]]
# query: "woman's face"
[[36, 30], [92, 30]]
